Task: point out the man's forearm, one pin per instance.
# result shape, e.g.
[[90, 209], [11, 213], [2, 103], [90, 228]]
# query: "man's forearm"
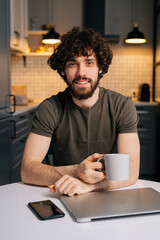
[[34, 172], [44, 175], [105, 185]]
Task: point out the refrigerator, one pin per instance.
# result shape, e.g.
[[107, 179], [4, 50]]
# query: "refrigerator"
[[5, 128], [4, 59]]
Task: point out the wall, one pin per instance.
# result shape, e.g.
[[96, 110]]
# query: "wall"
[[131, 66]]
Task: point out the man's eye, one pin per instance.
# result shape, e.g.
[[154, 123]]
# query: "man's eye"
[[89, 63], [72, 64]]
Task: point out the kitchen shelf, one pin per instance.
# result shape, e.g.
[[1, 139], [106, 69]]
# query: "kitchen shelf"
[[37, 32], [34, 54]]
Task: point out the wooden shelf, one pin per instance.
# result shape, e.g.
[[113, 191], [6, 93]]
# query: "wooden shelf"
[[37, 32], [34, 54]]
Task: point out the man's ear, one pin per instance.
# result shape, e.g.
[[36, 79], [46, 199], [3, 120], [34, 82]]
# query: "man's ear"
[[100, 71], [62, 73]]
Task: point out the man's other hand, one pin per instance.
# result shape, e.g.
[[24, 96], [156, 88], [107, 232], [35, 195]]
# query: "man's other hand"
[[70, 186]]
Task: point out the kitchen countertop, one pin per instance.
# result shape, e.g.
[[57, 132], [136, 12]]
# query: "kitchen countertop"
[[33, 105], [25, 108], [145, 103]]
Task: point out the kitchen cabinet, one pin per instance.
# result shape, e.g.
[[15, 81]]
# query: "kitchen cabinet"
[[20, 128], [4, 151], [19, 25], [147, 135]]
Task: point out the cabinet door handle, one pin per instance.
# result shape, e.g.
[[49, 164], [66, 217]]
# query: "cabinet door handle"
[[13, 129], [142, 112]]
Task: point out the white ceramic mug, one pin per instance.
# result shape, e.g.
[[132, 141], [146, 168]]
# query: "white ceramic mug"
[[116, 166]]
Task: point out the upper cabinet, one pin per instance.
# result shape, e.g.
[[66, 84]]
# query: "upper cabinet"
[[32, 15], [19, 25]]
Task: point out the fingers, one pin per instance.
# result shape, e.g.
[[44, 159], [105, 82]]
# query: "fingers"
[[70, 186], [94, 165], [94, 177], [94, 157], [66, 185], [87, 165], [91, 162]]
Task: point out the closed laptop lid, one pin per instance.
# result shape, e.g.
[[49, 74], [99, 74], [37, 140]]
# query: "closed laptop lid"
[[109, 204]]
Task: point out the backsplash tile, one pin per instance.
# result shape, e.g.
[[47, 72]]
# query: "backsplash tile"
[[125, 73]]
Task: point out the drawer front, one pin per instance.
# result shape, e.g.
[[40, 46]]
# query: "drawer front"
[[147, 158], [21, 118], [23, 131], [145, 117], [146, 111], [18, 149], [146, 130], [147, 122], [19, 126], [16, 173]]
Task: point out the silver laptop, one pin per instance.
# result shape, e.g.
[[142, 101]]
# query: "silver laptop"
[[110, 204]]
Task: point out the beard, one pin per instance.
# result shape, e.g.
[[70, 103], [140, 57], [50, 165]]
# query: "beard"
[[82, 93]]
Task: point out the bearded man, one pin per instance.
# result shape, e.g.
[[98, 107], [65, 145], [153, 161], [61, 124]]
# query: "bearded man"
[[84, 122]]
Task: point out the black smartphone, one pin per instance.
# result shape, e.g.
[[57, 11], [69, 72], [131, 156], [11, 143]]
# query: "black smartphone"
[[45, 210]]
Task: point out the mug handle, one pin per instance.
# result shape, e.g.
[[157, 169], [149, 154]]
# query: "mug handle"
[[102, 161]]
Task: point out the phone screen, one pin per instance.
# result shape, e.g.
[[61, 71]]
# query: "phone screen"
[[45, 210]]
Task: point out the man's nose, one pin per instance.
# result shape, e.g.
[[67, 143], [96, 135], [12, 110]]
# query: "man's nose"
[[81, 70]]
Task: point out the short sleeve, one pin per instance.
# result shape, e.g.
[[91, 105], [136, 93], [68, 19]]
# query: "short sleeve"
[[45, 119], [127, 118]]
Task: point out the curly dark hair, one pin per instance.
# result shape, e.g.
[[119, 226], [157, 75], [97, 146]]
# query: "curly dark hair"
[[81, 43]]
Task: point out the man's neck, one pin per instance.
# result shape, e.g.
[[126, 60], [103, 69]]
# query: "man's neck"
[[89, 102]]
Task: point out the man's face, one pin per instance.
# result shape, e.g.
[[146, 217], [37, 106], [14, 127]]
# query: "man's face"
[[82, 76]]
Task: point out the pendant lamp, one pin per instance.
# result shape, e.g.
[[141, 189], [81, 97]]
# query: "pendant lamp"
[[135, 37], [51, 37]]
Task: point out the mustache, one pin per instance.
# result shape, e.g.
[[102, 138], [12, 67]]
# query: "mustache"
[[81, 78]]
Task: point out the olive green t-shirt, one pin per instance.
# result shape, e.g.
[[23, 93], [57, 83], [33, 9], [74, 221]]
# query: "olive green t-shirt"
[[78, 132]]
